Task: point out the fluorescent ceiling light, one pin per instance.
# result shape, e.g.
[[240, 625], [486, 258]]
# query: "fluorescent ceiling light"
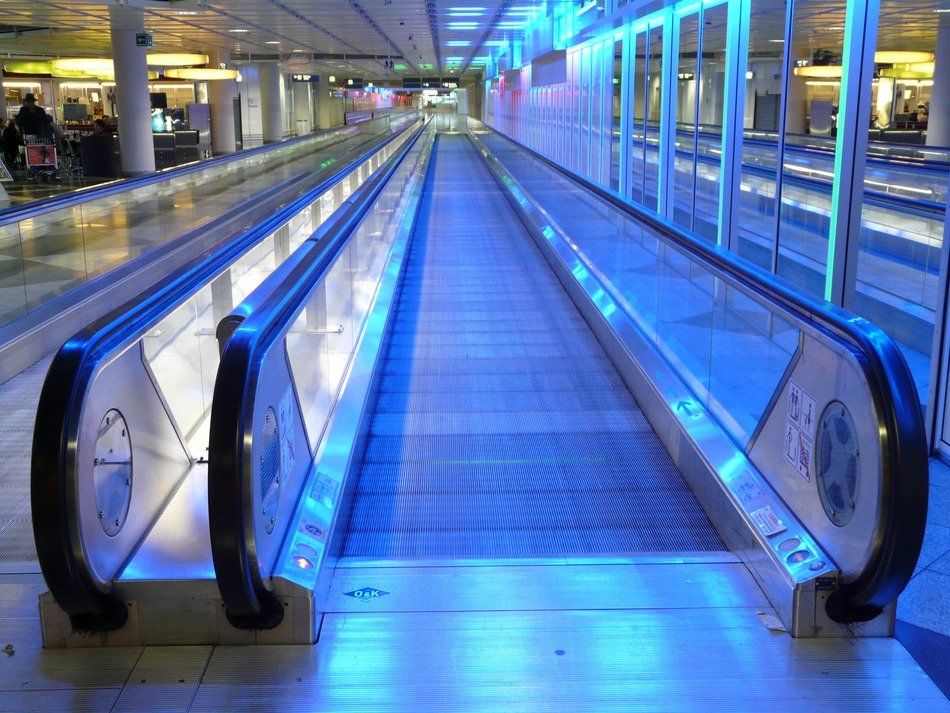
[[201, 73], [458, 43], [902, 57], [89, 65], [463, 25], [239, 30], [175, 59], [819, 71]]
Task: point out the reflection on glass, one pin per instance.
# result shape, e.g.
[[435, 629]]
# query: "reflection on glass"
[[731, 348], [654, 103], [12, 287], [615, 116], [709, 144], [684, 138], [585, 119], [763, 102], [898, 263], [596, 109], [638, 124], [182, 350], [48, 254], [811, 110]]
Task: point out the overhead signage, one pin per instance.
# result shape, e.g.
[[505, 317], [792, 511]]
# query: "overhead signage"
[[312, 78], [143, 39]]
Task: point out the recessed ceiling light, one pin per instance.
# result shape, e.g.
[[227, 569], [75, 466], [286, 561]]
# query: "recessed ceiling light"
[[238, 30], [272, 42]]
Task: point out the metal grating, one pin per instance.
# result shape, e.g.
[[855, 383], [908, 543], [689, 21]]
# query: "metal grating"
[[501, 429]]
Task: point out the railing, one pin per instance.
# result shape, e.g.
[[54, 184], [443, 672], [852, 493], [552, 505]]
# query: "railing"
[[820, 403], [122, 415], [67, 241], [276, 394]]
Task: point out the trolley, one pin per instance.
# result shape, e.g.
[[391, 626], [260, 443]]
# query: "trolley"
[[40, 158]]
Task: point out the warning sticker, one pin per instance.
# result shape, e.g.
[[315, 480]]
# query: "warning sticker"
[[799, 430], [767, 521]]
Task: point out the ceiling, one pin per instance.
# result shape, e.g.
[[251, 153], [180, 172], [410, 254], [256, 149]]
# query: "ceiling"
[[389, 39], [376, 39]]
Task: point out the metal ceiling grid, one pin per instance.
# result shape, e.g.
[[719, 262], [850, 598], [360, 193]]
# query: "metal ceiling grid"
[[421, 37]]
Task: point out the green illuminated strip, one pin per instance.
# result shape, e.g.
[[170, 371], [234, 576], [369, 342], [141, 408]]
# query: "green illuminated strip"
[[837, 185]]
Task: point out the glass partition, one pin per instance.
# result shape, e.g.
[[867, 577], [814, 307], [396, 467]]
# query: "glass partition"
[[758, 203], [898, 261], [182, 350], [638, 101], [811, 109], [57, 249], [321, 341], [654, 104], [615, 115], [684, 137], [727, 343], [598, 88], [712, 90]]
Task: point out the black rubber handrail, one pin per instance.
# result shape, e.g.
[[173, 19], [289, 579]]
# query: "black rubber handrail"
[[905, 482], [52, 488], [248, 602]]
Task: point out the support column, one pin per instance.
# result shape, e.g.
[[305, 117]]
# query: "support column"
[[3, 96], [302, 109], [221, 93], [851, 151], [938, 120], [131, 89], [270, 102]]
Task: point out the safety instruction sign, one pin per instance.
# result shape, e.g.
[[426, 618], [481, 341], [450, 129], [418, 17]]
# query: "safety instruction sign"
[[800, 430]]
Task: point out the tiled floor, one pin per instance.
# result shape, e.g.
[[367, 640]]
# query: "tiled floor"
[[926, 601]]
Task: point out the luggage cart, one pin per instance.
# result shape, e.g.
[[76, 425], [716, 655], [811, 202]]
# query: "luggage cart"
[[41, 158]]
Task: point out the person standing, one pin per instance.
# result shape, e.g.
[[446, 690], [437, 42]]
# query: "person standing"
[[32, 120], [10, 141]]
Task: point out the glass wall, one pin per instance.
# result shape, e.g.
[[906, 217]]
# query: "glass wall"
[[653, 112], [811, 112], [762, 108], [905, 196], [667, 151], [712, 95], [684, 138], [638, 102], [616, 99]]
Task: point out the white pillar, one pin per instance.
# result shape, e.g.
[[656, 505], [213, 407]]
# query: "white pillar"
[[270, 102], [938, 121], [329, 107], [131, 89], [302, 110], [221, 93], [3, 96]]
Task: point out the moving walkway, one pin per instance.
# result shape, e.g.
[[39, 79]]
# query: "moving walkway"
[[424, 435]]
